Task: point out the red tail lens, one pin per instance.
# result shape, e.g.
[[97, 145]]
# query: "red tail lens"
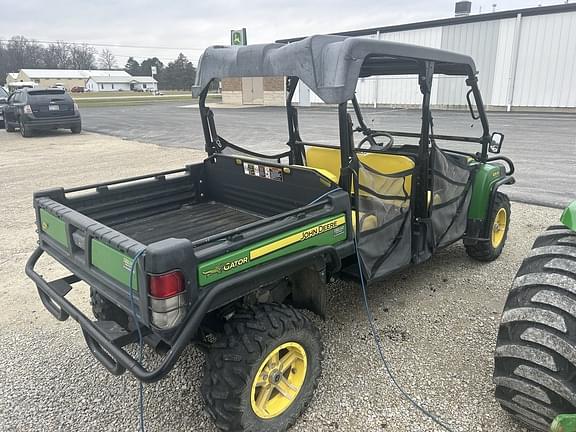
[[166, 285]]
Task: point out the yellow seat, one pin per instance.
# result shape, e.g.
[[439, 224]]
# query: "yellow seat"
[[328, 159]]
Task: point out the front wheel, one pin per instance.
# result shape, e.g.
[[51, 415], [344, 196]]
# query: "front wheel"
[[9, 127], [261, 373], [499, 222], [76, 129]]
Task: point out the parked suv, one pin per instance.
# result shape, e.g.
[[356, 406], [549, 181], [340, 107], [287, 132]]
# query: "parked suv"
[[3, 98], [41, 109]]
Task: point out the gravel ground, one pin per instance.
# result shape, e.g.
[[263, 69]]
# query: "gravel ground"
[[438, 323]]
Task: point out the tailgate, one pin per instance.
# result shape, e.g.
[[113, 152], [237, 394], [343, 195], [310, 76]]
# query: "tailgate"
[[98, 254]]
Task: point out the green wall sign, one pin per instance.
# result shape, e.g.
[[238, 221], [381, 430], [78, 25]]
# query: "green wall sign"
[[238, 37]]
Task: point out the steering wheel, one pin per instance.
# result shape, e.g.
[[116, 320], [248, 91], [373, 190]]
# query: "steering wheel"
[[374, 145]]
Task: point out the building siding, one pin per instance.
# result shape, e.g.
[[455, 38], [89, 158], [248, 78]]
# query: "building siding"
[[546, 62], [522, 61]]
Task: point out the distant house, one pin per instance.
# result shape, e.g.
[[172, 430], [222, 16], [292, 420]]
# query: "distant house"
[[11, 77], [144, 83], [121, 83], [68, 78], [106, 83]]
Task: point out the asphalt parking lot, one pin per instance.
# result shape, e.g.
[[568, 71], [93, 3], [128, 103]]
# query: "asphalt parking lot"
[[542, 145], [438, 321]]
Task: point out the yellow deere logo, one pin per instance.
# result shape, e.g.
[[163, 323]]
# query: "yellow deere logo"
[[44, 226]]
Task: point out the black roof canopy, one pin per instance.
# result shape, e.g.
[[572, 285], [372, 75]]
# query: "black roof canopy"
[[329, 65]]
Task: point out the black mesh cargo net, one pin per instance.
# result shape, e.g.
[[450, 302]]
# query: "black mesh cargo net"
[[450, 195], [383, 220]]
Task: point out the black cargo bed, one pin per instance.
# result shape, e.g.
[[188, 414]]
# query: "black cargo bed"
[[191, 221]]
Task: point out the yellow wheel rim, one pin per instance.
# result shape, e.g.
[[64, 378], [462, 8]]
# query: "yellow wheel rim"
[[499, 227], [278, 380]]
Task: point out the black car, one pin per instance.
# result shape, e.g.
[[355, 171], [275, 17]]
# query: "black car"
[[33, 109], [3, 98]]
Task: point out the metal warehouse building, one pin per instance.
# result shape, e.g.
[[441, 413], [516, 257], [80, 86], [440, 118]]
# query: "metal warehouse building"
[[526, 59]]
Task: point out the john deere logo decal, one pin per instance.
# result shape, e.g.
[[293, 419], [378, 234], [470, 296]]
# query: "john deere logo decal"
[[44, 226], [328, 231]]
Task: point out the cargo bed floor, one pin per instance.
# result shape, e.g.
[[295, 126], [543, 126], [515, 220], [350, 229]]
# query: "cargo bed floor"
[[191, 221]]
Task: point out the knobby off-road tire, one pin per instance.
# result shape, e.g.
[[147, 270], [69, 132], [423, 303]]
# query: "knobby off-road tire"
[[535, 358], [491, 249], [243, 353], [104, 310]]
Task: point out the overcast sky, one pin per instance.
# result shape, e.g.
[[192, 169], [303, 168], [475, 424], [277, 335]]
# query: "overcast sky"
[[189, 26]]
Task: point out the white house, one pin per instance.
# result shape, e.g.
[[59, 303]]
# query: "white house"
[[108, 83], [120, 83], [144, 83], [65, 77]]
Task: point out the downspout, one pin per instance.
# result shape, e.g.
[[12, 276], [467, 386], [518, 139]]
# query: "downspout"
[[376, 78], [514, 65]]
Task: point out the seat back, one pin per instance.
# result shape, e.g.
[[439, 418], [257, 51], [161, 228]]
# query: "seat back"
[[328, 159]]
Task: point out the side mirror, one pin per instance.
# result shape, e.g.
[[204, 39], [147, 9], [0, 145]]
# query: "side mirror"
[[496, 141]]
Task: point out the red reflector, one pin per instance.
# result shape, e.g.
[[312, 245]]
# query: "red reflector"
[[166, 285]]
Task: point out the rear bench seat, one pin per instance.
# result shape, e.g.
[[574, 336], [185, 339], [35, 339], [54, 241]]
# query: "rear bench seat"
[[327, 162]]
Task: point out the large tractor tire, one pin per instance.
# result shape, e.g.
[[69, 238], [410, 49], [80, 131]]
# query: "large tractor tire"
[[535, 358], [261, 373], [499, 223]]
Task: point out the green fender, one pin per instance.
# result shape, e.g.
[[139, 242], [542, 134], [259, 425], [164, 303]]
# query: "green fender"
[[486, 177], [568, 218]]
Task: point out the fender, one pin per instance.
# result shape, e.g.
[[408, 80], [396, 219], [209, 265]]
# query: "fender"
[[487, 180]]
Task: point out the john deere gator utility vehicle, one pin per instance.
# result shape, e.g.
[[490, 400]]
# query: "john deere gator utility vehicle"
[[535, 358], [226, 250]]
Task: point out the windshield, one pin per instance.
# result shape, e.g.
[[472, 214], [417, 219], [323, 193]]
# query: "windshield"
[[3, 93], [47, 96]]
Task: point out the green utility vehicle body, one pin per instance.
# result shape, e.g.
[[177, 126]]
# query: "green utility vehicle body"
[[568, 217], [172, 253]]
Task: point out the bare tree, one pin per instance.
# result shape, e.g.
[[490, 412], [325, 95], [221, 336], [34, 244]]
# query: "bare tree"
[[57, 55], [107, 59], [82, 57]]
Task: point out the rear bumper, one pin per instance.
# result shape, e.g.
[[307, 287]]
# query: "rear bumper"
[[105, 340], [52, 123]]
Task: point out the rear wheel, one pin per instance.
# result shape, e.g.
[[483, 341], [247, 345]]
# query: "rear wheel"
[[535, 358], [9, 127], [499, 223], [105, 310], [261, 373], [25, 131], [76, 129]]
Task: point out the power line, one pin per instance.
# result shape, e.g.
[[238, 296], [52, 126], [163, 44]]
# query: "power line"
[[109, 45]]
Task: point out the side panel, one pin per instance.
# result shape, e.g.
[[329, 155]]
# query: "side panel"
[[54, 227], [114, 263], [485, 177], [324, 232]]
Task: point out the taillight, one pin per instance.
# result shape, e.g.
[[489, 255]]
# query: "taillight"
[[167, 299], [166, 285], [75, 107], [27, 109]]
